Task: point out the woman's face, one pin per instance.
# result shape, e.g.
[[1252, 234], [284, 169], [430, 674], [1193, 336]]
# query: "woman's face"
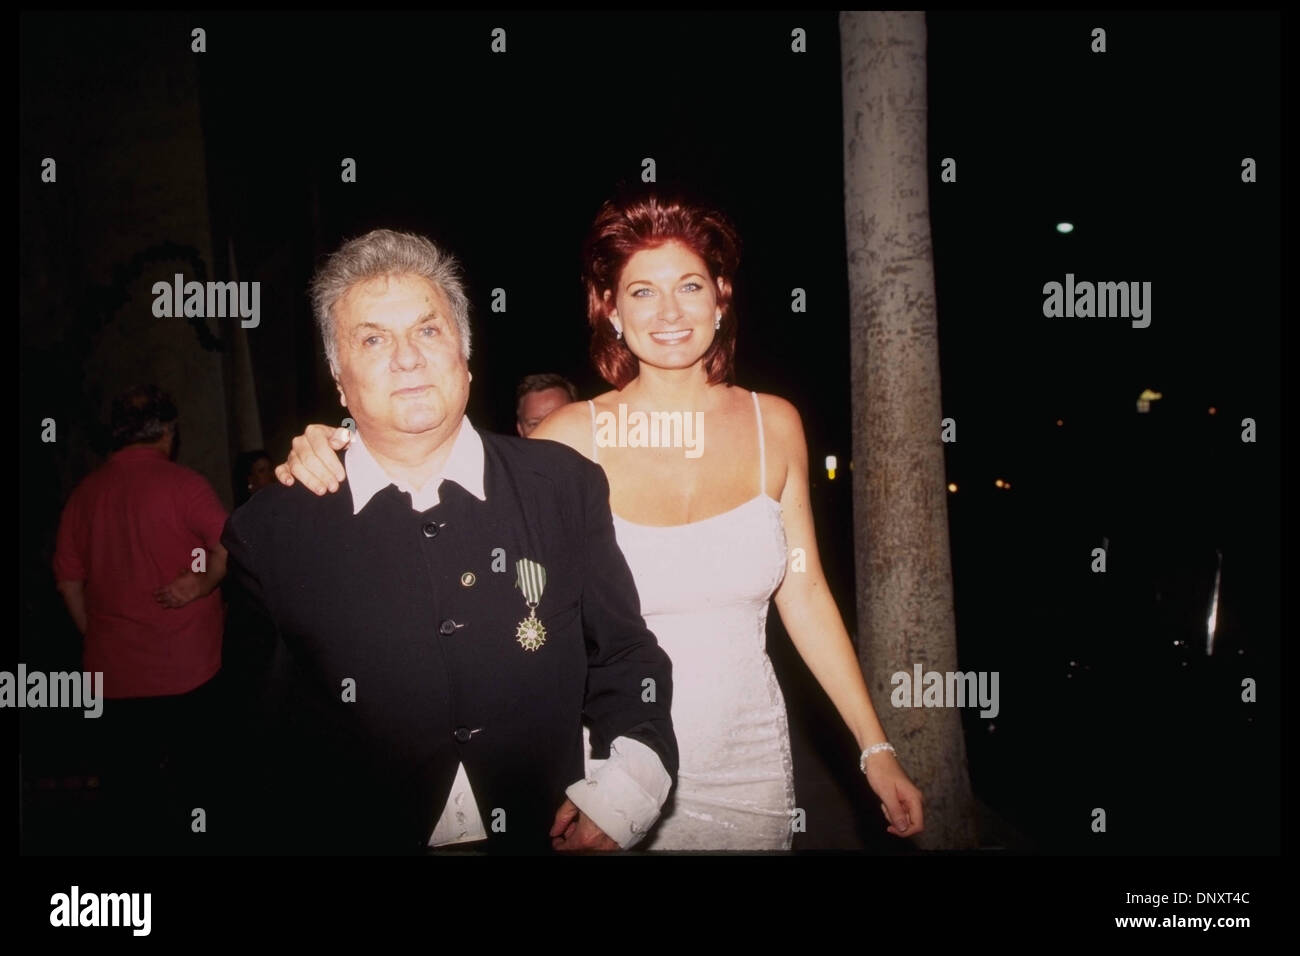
[[666, 305]]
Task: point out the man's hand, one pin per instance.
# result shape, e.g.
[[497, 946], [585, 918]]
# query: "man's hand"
[[313, 460], [180, 592], [573, 830]]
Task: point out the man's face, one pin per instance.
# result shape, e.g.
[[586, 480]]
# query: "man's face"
[[399, 355], [535, 406]]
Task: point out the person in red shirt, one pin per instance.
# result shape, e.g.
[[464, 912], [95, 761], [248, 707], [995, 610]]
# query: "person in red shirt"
[[138, 559]]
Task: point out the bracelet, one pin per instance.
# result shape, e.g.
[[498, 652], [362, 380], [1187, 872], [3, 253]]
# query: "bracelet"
[[874, 749]]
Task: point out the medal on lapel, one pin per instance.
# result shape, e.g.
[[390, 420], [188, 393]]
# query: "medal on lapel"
[[531, 580]]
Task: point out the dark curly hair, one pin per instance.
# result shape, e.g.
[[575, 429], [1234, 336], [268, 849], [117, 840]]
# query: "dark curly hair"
[[142, 413]]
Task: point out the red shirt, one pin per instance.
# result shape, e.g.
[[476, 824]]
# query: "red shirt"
[[129, 528]]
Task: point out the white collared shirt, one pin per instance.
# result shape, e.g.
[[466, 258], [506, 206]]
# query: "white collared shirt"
[[622, 795]]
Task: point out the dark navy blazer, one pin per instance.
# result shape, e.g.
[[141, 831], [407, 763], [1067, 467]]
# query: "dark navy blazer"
[[380, 606]]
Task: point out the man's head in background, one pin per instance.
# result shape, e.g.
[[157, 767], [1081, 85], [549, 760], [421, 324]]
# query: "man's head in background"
[[539, 395], [144, 415]]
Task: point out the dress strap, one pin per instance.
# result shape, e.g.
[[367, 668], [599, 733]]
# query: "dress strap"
[[762, 449], [592, 406]]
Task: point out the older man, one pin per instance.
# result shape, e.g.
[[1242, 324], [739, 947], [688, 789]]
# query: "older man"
[[443, 627]]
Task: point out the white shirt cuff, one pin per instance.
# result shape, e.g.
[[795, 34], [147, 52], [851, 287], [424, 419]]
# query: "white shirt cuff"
[[624, 794]]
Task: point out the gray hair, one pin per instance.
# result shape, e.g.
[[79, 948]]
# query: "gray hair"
[[383, 252]]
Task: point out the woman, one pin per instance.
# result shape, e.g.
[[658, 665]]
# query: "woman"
[[706, 524]]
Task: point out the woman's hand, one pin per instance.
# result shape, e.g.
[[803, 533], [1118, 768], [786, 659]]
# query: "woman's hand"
[[900, 800], [313, 461]]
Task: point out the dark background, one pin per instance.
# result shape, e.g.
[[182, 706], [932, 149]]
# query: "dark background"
[[1108, 696]]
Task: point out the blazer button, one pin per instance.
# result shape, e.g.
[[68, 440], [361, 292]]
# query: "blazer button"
[[447, 627], [431, 529], [462, 735]]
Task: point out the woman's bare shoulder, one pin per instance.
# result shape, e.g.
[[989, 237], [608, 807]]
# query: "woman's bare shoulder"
[[781, 419], [605, 401], [570, 425]]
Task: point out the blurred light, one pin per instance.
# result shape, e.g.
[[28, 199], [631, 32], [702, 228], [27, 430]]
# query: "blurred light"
[[1213, 410], [952, 486], [1146, 398], [830, 466], [1000, 483], [1064, 228], [1060, 422], [1213, 623]]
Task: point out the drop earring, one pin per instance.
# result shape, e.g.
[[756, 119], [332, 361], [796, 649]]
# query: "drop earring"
[[618, 334], [717, 323]]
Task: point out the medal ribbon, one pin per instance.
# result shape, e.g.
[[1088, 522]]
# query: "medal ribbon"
[[531, 580]]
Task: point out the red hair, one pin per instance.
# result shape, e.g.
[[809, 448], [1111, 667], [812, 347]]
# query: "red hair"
[[624, 227]]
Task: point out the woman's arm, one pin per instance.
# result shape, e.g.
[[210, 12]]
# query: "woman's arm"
[[804, 601], [313, 459], [817, 631]]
